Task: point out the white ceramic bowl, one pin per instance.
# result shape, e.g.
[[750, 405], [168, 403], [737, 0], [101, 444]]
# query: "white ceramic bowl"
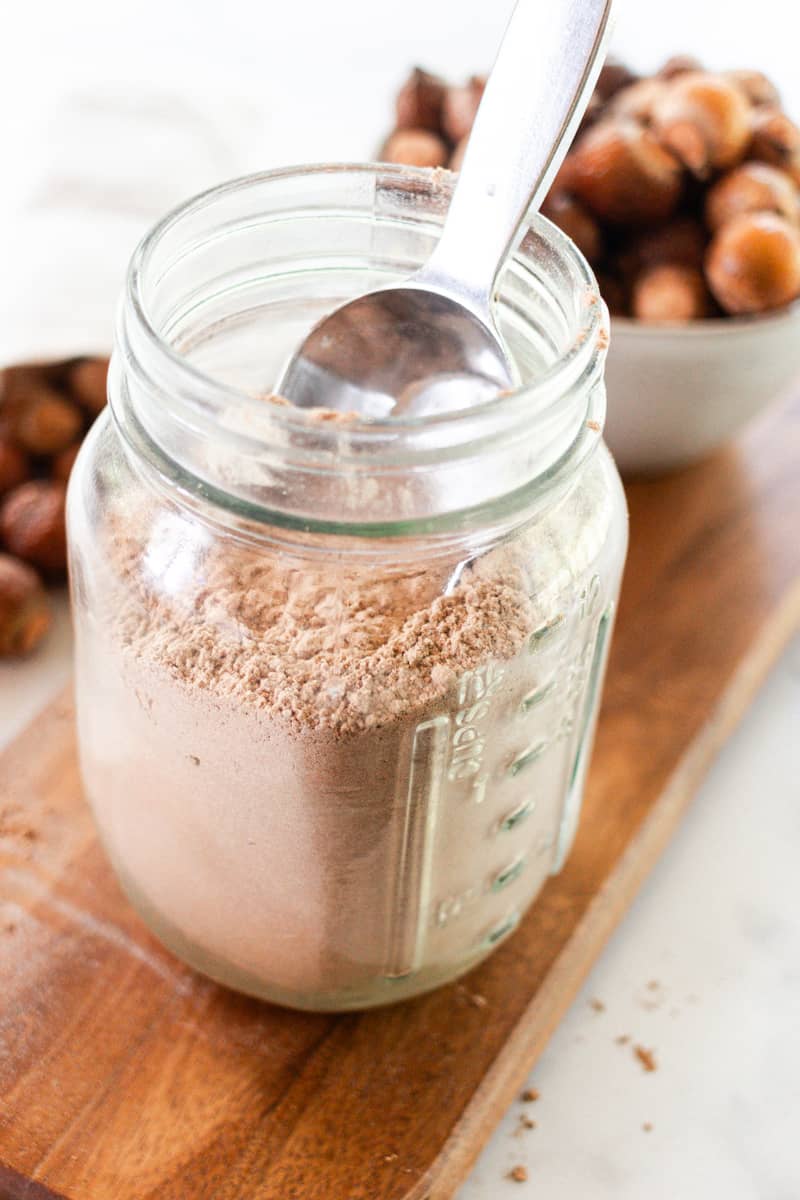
[[675, 393]]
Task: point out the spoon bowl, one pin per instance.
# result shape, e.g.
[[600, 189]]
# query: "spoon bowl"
[[405, 352]]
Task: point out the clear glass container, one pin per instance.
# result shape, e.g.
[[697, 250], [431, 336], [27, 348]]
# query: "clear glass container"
[[336, 680]]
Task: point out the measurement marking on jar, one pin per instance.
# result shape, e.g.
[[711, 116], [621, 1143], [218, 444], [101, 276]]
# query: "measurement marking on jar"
[[501, 931], [536, 696], [468, 742], [527, 758], [515, 818], [506, 877], [544, 631], [417, 838]]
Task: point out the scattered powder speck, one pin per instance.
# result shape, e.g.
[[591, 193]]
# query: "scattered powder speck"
[[646, 1058]]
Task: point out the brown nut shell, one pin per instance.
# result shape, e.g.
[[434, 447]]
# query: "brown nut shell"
[[704, 120], [776, 141], [459, 108], [576, 222], [682, 241], [752, 187], [63, 463], [24, 608], [87, 380], [47, 423], [419, 102], [457, 157], [415, 148], [32, 524], [614, 292], [14, 465], [622, 174], [614, 76], [670, 293], [679, 64], [753, 264], [638, 100], [756, 86]]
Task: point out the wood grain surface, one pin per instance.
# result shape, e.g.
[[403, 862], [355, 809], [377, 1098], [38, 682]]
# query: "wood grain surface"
[[124, 1076]]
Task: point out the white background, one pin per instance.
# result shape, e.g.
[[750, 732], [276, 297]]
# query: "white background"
[[323, 71], [718, 925]]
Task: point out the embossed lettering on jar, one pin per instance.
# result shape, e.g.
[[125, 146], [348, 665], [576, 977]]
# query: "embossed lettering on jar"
[[337, 681]]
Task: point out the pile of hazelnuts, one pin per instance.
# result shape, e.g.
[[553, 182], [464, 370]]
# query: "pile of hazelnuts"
[[45, 411], [682, 189]]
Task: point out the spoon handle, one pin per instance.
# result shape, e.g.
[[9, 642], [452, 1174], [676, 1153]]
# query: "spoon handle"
[[537, 93]]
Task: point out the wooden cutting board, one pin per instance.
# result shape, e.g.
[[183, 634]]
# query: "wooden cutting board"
[[124, 1076]]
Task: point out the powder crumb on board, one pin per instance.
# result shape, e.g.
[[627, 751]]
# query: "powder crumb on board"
[[475, 999], [529, 1095], [647, 1127], [646, 1057], [524, 1124], [597, 1005], [623, 1039], [653, 985], [519, 1174]]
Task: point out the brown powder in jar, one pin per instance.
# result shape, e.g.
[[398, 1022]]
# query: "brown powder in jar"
[[249, 765], [320, 652]]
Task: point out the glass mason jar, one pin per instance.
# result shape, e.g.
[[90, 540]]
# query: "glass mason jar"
[[337, 680]]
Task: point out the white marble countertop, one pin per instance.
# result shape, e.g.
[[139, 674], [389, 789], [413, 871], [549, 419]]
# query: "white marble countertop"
[[705, 969]]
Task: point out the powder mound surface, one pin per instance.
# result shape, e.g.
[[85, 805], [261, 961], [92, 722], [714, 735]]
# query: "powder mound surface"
[[320, 648]]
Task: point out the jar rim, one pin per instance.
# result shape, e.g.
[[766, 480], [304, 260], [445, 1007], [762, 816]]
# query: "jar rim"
[[202, 394]]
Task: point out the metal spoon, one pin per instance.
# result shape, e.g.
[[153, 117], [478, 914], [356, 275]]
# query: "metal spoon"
[[431, 344]]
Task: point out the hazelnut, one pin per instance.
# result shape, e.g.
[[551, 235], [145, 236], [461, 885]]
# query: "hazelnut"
[[758, 89], [63, 463], [776, 140], [87, 380], [622, 174], [14, 466], [47, 423], [637, 101], [682, 241], [670, 292], [571, 217], [753, 187], [419, 102], [679, 64], [18, 385], [592, 113], [459, 108], [457, 157], [704, 120], [614, 292], [753, 263], [415, 148], [613, 77], [24, 610], [32, 524]]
